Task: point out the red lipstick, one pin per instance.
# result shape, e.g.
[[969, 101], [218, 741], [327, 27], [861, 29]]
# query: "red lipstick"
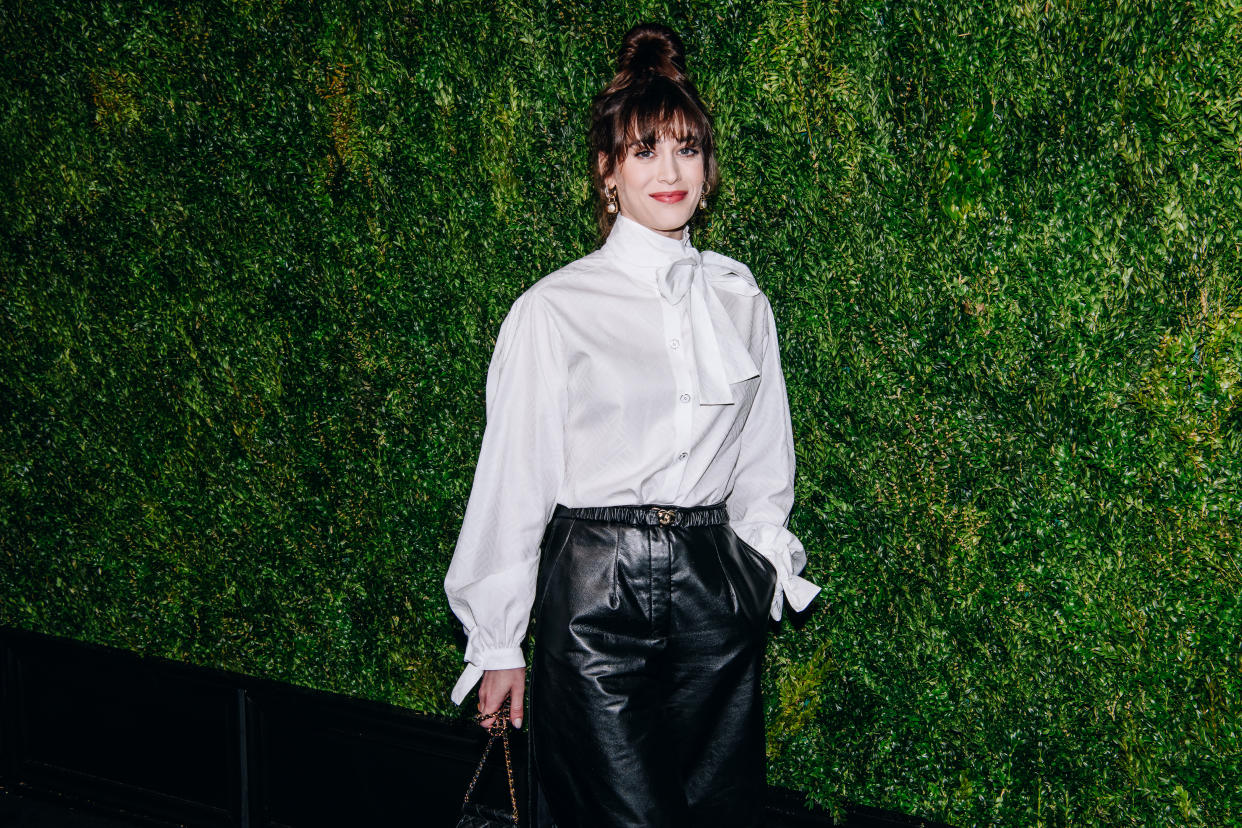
[[670, 196]]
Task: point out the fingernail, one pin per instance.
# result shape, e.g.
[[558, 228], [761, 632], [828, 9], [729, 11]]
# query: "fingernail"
[[517, 722]]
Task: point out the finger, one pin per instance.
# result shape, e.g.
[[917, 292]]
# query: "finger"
[[516, 701], [487, 706], [487, 709]]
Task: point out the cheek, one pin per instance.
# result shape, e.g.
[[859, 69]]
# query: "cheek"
[[696, 171], [637, 178], [623, 181]]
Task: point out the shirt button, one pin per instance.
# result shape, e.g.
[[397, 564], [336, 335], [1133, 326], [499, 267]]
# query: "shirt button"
[[685, 398], [675, 344], [683, 455]]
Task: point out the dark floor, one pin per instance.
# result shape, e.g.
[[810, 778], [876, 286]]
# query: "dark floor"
[[31, 812]]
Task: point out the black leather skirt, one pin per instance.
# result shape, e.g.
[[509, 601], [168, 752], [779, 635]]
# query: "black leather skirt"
[[645, 708]]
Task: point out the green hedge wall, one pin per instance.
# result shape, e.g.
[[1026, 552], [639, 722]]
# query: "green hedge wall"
[[255, 255]]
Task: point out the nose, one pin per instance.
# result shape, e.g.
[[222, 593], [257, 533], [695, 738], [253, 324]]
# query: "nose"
[[669, 172]]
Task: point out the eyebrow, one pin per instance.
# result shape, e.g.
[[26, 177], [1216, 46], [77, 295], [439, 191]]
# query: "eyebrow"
[[687, 140]]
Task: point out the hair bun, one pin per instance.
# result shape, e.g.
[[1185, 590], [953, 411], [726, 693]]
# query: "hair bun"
[[651, 49]]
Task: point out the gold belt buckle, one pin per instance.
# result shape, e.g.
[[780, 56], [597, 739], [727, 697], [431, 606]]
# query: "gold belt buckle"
[[666, 516]]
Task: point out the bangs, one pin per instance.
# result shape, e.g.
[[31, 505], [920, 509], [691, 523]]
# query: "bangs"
[[662, 110], [647, 128]]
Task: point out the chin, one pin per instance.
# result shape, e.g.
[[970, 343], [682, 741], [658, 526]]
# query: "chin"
[[661, 221], [671, 223]]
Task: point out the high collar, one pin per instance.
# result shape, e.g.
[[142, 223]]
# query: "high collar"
[[686, 279], [638, 246]]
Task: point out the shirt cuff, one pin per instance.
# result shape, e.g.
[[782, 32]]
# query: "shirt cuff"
[[505, 658], [798, 591]]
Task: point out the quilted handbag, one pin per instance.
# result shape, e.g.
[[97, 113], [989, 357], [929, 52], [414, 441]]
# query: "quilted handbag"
[[474, 815]]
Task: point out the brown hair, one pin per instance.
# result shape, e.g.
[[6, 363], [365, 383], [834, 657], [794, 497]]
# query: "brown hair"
[[649, 98]]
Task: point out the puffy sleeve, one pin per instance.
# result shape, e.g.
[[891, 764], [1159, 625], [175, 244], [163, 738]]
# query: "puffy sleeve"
[[491, 580], [763, 491]]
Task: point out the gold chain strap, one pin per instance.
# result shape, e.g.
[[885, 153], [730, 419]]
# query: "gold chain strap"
[[499, 727]]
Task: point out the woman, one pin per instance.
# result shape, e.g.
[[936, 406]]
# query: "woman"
[[633, 487]]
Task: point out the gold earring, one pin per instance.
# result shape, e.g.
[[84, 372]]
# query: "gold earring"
[[611, 195], [703, 198]]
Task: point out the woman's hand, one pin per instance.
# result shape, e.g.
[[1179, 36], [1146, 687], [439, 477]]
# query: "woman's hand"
[[495, 687]]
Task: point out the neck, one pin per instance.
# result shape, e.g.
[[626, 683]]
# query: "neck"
[[676, 235]]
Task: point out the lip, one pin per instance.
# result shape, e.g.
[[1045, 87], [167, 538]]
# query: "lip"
[[670, 196]]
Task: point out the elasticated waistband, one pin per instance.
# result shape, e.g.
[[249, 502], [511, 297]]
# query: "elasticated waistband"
[[713, 515]]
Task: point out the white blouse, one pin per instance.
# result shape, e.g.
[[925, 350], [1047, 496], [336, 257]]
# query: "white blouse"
[[642, 373]]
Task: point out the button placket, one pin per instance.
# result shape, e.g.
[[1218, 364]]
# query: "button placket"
[[679, 353]]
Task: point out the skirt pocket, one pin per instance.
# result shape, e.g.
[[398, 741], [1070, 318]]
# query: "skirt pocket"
[[767, 570], [756, 554], [550, 553], [752, 578]]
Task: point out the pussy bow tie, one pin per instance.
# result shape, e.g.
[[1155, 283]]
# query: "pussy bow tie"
[[720, 354]]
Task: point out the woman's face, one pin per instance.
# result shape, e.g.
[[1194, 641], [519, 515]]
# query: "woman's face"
[[659, 186]]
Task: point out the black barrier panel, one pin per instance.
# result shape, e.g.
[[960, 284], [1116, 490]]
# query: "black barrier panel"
[[112, 727], [322, 764], [168, 743]]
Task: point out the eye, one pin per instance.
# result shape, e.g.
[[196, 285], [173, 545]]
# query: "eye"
[[688, 152], [643, 153]]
